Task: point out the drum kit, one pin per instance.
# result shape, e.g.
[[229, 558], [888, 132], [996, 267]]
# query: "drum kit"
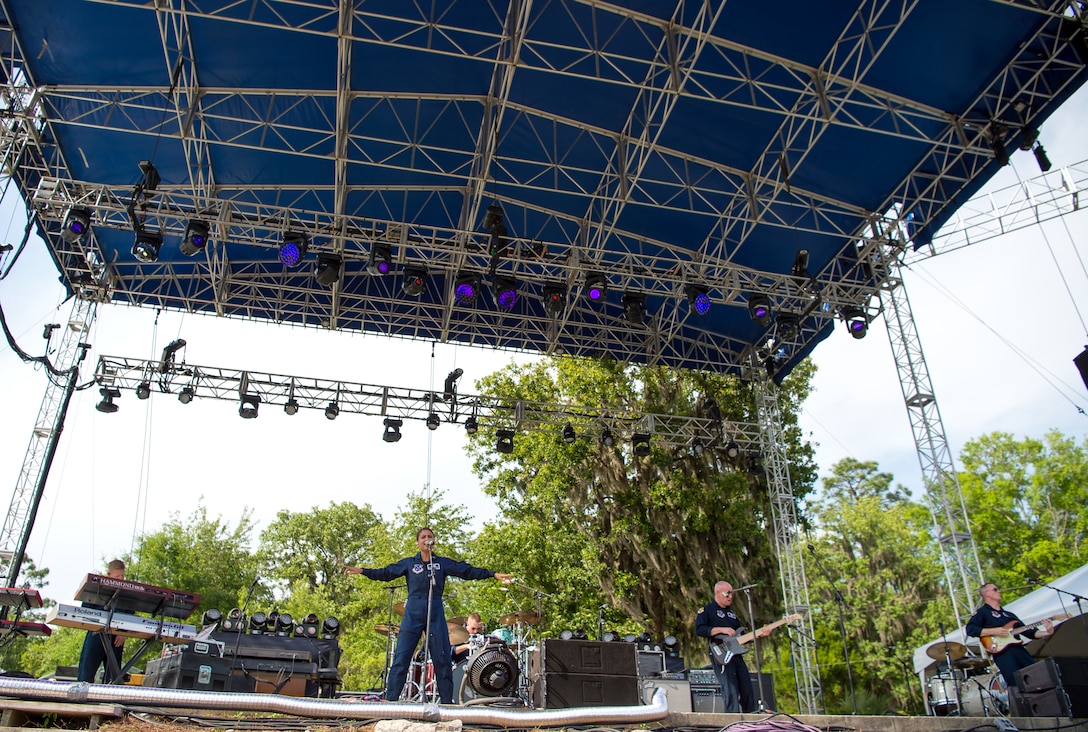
[[966, 686], [497, 666]]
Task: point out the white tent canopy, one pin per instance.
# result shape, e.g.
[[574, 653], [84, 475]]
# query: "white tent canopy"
[[1071, 638]]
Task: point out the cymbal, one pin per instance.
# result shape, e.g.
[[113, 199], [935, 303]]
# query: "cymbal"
[[459, 620], [525, 617], [955, 650], [387, 629], [458, 634], [398, 608], [970, 663]]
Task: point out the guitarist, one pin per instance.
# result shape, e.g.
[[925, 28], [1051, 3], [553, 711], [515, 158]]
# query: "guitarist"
[[717, 618], [992, 619]]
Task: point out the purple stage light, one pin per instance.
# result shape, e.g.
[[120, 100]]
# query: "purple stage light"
[[290, 254], [465, 292], [702, 303]]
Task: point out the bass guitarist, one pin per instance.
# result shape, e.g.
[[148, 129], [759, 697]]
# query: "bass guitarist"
[[993, 620], [716, 618]]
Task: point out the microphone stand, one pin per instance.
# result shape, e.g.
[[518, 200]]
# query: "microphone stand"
[[755, 644], [1076, 598], [238, 643], [389, 641], [840, 603], [427, 627]]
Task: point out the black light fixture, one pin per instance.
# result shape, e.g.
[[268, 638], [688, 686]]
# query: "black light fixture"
[[1041, 158], [392, 429], [327, 271], [332, 411], [634, 307], [504, 441], [755, 463], [759, 309], [610, 636], [147, 244], [247, 409], [211, 616], [307, 627], [505, 290], [607, 438], [732, 450], [235, 621], [471, 425], [800, 265], [494, 221], [698, 299], [566, 634], [581, 634], [291, 407], [466, 287], [696, 446], [195, 238], [284, 624], [997, 144], [1028, 136], [77, 222], [789, 325], [258, 622], [381, 259], [629, 637], [449, 387], [640, 444], [672, 646], [432, 421], [151, 178], [415, 280], [569, 435], [596, 287], [106, 406], [857, 322], [186, 394], [330, 628], [143, 390], [294, 247], [555, 299]]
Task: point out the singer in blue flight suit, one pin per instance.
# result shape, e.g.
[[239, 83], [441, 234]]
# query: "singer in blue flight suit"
[[418, 571]]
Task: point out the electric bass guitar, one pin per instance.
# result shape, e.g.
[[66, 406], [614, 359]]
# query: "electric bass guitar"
[[724, 647], [995, 644]]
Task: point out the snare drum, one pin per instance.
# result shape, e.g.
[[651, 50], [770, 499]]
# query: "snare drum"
[[942, 694], [504, 634]]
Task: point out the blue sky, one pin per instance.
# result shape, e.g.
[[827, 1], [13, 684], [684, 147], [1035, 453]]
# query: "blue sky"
[[118, 475]]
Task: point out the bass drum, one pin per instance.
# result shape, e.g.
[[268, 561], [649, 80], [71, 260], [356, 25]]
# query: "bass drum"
[[492, 671], [986, 696]]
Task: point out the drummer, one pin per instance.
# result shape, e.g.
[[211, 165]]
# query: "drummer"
[[475, 628]]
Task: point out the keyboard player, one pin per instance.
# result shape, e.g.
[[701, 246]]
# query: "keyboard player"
[[94, 649]]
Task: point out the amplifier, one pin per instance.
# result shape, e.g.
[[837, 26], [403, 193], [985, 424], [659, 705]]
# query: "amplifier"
[[677, 691], [706, 697], [651, 663], [589, 657], [564, 691], [707, 700], [702, 677]]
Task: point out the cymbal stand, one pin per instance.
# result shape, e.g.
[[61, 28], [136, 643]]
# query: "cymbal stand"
[[952, 672], [390, 641]]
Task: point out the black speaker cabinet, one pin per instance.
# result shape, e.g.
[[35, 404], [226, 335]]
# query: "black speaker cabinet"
[[1052, 703], [565, 691], [1051, 673], [589, 657], [187, 671], [651, 663]]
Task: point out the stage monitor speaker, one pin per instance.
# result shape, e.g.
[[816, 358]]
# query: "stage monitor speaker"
[[565, 691], [187, 671], [1051, 673], [677, 691], [589, 657], [1052, 703]]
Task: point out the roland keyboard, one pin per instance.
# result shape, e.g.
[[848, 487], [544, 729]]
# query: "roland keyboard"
[[131, 626]]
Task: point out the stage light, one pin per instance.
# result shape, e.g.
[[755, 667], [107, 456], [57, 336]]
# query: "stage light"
[[800, 265], [640, 443], [672, 646], [415, 280], [506, 292], [555, 299], [248, 407], [211, 616], [634, 307], [235, 621], [755, 463], [381, 259], [698, 299], [1028, 136], [147, 244], [856, 321], [493, 217], [330, 628], [106, 406], [291, 407], [465, 288], [711, 410], [143, 390], [293, 248], [328, 268], [471, 425], [581, 634], [629, 638], [607, 438], [392, 429], [569, 435], [596, 287], [732, 450], [504, 441], [789, 326], [1041, 158], [284, 624], [759, 309], [195, 238], [257, 623], [332, 411], [566, 635], [997, 145], [151, 178], [610, 636], [449, 387], [77, 222], [186, 394], [432, 421], [696, 446], [307, 627]]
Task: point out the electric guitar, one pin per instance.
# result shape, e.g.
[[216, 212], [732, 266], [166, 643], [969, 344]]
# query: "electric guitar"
[[724, 647], [995, 644]]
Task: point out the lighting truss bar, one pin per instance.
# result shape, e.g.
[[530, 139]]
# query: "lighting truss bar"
[[211, 382]]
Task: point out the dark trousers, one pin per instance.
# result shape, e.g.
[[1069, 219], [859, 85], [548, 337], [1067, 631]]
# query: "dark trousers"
[[94, 655], [736, 686], [1011, 660], [438, 646]]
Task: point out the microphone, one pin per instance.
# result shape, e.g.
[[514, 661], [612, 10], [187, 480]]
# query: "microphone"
[[746, 587], [1033, 580], [429, 542]]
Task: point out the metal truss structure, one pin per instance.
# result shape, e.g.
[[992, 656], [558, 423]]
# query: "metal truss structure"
[[450, 407], [30, 485]]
